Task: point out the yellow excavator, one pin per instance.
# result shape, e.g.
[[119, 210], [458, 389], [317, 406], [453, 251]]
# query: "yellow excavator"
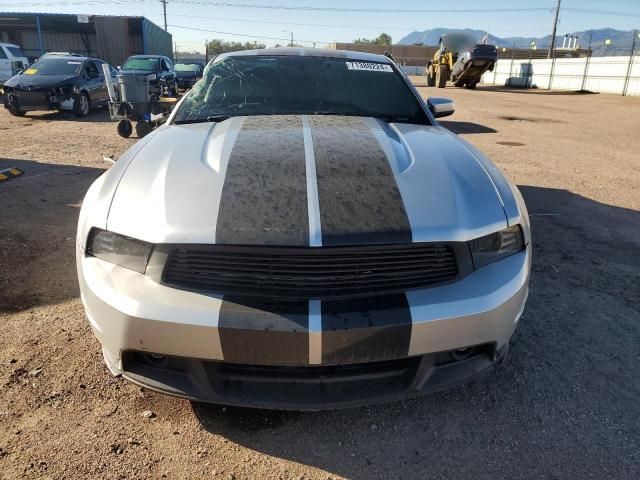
[[461, 61]]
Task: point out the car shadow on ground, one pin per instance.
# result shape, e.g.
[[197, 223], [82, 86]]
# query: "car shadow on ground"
[[465, 127], [535, 91], [37, 232], [565, 385], [97, 115]]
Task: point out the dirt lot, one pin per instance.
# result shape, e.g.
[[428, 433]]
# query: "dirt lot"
[[566, 405]]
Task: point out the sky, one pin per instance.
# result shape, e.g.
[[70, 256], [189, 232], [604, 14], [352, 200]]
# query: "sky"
[[191, 22]]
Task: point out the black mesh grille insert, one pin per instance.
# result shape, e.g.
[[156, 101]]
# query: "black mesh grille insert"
[[301, 273]]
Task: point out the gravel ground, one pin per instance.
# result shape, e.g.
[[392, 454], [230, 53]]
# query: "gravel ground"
[[566, 404]]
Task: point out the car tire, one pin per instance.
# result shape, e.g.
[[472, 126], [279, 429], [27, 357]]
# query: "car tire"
[[81, 105], [442, 74], [125, 129], [431, 77], [143, 129], [16, 112], [471, 86]]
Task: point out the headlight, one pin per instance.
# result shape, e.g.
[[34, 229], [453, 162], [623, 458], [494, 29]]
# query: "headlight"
[[496, 246], [124, 251], [152, 77]]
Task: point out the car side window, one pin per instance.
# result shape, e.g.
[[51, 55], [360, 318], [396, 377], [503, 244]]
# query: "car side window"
[[165, 66], [91, 69], [3, 56]]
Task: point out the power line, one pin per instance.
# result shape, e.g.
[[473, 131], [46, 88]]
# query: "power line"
[[261, 37], [358, 10], [285, 7], [298, 24]]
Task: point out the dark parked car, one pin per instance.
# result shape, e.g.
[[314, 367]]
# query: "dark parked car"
[[160, 70], [189, 73], [472, 63], [68, 83]]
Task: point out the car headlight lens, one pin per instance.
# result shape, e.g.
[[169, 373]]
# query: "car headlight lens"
[[496, 246], [152, 77], [124, 251]]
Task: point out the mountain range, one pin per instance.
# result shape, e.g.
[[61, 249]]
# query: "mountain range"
[[620, 39]]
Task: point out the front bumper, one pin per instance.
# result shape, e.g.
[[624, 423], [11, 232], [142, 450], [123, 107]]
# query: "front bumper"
[[186, 82], [38, 100], [134, 316]]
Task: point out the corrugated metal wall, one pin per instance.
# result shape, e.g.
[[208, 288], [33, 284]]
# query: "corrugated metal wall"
[[155, 40], [112, 33], [57, 42], [114, 40]]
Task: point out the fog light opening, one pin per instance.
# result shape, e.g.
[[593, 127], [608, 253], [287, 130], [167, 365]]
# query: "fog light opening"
[[462, 353], [156, 359]]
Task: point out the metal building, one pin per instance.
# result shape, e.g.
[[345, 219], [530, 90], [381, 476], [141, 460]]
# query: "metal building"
[[111, 38]]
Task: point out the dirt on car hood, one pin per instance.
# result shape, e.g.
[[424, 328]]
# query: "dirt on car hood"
[[305, 180]]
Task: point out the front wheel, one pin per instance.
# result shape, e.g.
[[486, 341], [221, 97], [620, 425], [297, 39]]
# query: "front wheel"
[[442, 74], [143, 129], [16, 112], [125, 129], [10, 104], [431, 77], [81, 106]]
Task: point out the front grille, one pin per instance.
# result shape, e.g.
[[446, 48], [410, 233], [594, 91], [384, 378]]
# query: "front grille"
[[302, 273], [29, 98]]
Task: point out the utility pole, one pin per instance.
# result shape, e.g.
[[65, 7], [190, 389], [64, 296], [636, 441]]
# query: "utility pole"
[[625, 89], [287, 31], [553, 34], [164, 8]]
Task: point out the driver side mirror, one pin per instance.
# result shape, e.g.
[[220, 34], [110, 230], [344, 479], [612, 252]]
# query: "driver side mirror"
[[441, 107]]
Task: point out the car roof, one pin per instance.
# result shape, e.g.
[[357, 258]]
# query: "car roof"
[[147, 56], [67, 57], [309, 52]]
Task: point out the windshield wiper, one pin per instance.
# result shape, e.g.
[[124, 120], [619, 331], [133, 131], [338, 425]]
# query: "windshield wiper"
[[210, 118]]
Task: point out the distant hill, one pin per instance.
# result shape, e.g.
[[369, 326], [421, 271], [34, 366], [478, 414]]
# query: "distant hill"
[[619, 39]]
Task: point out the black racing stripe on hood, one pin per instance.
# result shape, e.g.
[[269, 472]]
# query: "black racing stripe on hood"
[[360, 202], [264, 197], [366, 329], [264, 332]]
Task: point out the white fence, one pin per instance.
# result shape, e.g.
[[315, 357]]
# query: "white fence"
[[619, 74]]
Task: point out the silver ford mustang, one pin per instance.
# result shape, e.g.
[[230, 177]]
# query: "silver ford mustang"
[[301, 234]]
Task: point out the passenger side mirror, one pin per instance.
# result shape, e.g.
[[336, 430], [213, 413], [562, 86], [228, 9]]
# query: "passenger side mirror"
[[441, 107]]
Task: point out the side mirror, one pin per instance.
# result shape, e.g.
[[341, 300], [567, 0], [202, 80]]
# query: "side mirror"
[[93, 75], [441, 107]]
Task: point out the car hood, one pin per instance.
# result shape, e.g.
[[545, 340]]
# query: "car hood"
[[305, 180], [187, 74], [30, 82], [136, 72]]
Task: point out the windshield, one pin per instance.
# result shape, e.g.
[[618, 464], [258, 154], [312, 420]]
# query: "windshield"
[[144, 64], [15, 51], [279, 85], [54, 66], [187, 67]]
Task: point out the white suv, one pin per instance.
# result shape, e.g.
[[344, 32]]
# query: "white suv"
[[12, 60]]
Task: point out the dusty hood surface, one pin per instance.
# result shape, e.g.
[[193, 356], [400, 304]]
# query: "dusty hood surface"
[[304, 180]]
